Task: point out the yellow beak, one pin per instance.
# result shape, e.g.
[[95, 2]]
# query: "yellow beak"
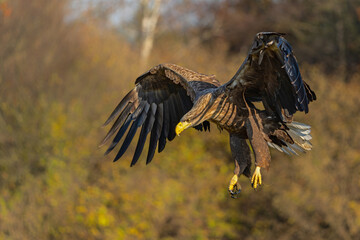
[[181, 126]]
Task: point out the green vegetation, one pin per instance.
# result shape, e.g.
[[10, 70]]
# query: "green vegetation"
[[59, 80]]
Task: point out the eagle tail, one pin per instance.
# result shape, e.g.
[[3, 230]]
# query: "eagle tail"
[[300, 134]]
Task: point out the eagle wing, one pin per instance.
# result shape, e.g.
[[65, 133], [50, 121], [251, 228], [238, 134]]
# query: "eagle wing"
[[160, 98], [270, 73]]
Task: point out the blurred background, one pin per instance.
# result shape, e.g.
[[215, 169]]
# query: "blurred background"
[[64, 66]]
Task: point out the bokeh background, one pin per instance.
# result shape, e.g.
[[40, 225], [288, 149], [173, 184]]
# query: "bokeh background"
[[65, 64]]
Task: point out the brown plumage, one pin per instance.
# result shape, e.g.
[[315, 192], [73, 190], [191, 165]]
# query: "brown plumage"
[[169, 99]]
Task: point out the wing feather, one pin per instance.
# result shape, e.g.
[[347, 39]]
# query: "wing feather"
[[293, 72], [124, 102], [124, 127], [165, 128], [270, 73], [131, 133], [155, 133], [129, 107], [157, 103], [119, 135], [174, 119], [144, 132]]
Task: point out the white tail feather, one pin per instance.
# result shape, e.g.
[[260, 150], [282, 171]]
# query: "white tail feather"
[[300, 133], [292, 151], [306, 137], [298, 125], [285, 151], [297, 147]]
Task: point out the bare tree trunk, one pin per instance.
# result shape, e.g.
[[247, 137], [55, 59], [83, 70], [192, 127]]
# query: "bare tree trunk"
[[151, 13], [340, 29]]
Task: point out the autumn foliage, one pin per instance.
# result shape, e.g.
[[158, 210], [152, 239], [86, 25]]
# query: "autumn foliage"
[[59, 80]]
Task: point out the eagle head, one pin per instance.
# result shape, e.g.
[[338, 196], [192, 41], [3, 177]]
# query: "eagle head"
[[200, 112], [263, 42]]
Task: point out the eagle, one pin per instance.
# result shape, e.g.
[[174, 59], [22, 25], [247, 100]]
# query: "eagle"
[[257, 106]]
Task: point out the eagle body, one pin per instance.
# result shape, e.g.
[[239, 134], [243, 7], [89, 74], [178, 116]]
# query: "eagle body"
[[168, 99]]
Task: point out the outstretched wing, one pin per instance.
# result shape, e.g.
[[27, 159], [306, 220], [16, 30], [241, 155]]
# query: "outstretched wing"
[[160, 98], [270, 74]]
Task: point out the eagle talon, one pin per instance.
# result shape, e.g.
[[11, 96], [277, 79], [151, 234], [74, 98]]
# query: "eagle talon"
[[234, 186], [256, 178], [236, 190]]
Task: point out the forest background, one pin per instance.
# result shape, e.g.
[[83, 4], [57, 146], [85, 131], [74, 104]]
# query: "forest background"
[[65, 64]]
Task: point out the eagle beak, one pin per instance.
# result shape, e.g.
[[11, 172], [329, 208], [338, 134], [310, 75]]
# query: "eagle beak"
[[181, 126], [262, 51], [261, 56]]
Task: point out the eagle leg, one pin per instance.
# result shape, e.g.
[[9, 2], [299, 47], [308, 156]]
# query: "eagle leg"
[[241, 153], [257, 139], [256, 178]]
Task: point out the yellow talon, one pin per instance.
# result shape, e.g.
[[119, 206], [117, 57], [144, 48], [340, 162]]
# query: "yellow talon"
[[234, 187], [256, 178], [233, 182]]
